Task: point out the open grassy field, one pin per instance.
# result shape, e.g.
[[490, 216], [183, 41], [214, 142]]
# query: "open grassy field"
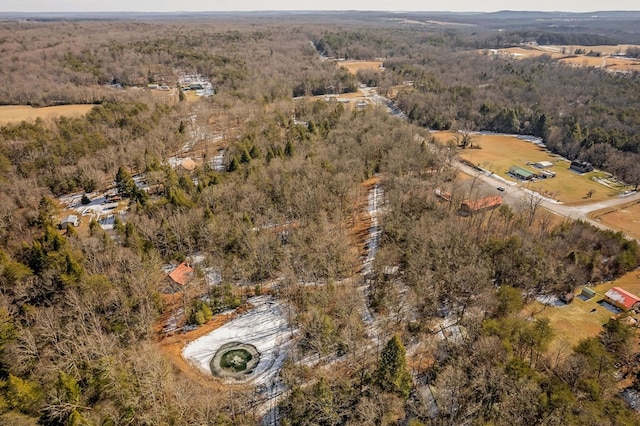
[[354, 66], [565, 54], [576, 321], [17, 113], [497, 153], [621, 218], [609, 63]]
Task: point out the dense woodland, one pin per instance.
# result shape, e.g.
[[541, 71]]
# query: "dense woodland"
[[78, 309]]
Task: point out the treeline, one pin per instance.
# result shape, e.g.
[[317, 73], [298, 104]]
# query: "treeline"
[[512, 38]]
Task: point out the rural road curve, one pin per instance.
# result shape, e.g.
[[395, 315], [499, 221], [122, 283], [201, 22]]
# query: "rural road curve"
[[515, 194]]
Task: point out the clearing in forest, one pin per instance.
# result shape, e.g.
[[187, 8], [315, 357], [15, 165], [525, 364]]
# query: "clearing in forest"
[[13, 114], [263, 327], [580, 319], [498, 153], [610, 56], [354, 66]]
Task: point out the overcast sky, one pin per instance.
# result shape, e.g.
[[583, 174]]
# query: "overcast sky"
[[247, 5]]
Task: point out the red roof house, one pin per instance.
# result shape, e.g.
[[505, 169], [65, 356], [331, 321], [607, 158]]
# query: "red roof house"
[[622, 299], [182, 274], [480, 204]]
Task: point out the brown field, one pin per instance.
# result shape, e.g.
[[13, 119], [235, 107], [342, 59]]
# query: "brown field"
[[622, 218], [354, 66], [566, 55], [521, 52], [574, 322], [17, 113], [609, 63], [498, 153], [351, 99], [605, 49]]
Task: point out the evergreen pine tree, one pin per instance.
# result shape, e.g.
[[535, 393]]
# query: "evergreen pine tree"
[[392, 374]]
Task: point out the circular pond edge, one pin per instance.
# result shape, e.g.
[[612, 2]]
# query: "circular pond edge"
[[219, 371]]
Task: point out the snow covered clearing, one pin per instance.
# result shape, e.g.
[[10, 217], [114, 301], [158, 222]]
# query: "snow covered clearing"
[[265, 327], [101, 207]]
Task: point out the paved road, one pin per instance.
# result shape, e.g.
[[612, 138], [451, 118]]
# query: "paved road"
[[517, 194]]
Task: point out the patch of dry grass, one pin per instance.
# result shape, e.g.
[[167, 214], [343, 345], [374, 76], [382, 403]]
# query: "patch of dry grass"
[[565, 54], [576, 321], [354, 66], [498, 153], [12, 114], [622, 218]]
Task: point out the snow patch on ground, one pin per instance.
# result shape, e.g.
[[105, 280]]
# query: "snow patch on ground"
[[101, 208], [375, 201], [632, 398], [265, 327], [217, 162], [550, 300], [212, 276]]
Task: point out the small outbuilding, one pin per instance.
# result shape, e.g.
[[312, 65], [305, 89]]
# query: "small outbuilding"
[[567, 298], [71, 220], [543, 164], [520, 173], [182, 274], [622, 299], [587, 293]]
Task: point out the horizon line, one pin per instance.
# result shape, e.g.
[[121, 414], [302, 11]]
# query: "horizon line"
[[319, 10]]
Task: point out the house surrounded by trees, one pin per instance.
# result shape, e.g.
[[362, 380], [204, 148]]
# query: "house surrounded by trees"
[[581, 166]]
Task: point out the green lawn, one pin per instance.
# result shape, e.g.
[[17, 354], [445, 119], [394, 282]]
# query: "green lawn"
[[498, 153], [576, 321]]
